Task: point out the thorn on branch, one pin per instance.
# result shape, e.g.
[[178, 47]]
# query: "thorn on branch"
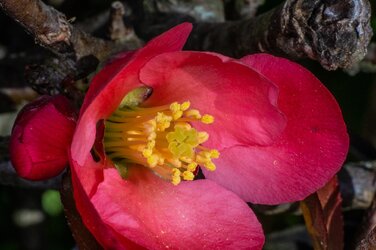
[[118, 31], [117, 28]]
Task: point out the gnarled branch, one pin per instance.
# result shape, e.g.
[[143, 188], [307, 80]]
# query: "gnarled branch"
[[78, 53], [335, 33], [52, 30]]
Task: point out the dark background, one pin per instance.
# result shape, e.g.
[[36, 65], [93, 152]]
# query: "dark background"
[[34, 219]]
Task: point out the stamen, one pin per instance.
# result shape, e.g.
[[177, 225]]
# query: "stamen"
[[202, 137], [194, 113], [185, 105], [160, 138], [192, 166], [210, 166], [152, 160], [176, 176], [214, 154], [207, 119], [188, 176]]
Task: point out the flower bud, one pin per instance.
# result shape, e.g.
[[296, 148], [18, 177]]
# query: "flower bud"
[[41, 137]]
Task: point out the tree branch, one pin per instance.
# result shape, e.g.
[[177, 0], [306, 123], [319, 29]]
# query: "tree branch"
[[368, 229], [335, 33], [118, 31], [78, 53], [52, 30]]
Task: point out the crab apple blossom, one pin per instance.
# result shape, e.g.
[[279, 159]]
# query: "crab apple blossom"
[[262, 129]]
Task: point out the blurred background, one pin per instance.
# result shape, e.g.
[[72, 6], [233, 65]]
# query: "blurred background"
[[33, 218]]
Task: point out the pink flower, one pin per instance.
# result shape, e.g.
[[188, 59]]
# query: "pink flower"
[[277, 136]]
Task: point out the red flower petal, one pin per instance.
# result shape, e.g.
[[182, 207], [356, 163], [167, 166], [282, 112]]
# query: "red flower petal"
[[103, 99], [155, 214], [309, 152], [242, 101], [104, 76], [85, 181], [41, 137]]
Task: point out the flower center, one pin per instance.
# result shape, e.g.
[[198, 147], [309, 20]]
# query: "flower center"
[[160, 138]]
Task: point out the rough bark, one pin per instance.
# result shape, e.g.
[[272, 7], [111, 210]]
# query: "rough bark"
[[368, 230], [335, 33], [77, 54], [52, 30]]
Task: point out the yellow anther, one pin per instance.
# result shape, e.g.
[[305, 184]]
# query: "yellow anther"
[[147, 152], [152, 136], [200, 159], [192, 166], [186, 159], [152, 125], [163, 121], [151, 144], [185, 105], [161, 117], [205, 154], [161, 161], [214, 154], [202, 137], [207, 119], [176, 180], [175, 162], [193, 113], [177, 114], [175, 176], [210, 166], [153, 160], [188, 176], [175, 107], [184, 125]]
